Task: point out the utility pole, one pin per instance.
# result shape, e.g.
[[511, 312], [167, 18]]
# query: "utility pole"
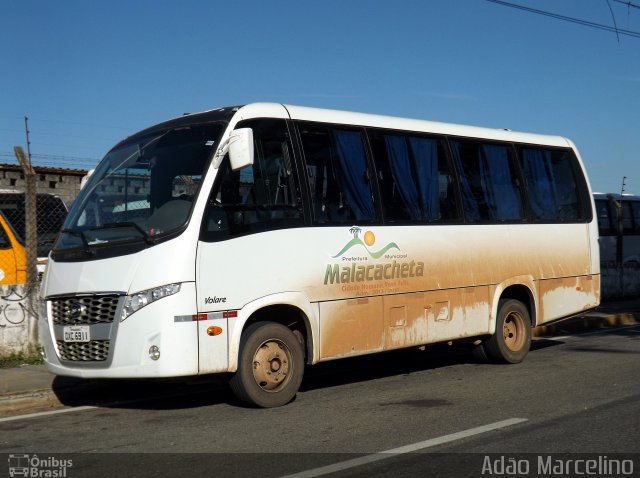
[[31, 243], [31, 239], [624, 178], [31, 227], [26, 129]]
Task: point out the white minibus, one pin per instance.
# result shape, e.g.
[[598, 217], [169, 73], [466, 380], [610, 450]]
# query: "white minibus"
[[257, 240]]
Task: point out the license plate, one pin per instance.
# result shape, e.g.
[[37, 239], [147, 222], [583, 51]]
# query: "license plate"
[[76, 333]]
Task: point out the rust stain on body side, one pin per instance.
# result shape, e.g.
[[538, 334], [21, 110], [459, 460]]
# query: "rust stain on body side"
[[565, 296], [357, 326], [350, 327], [455, 292]]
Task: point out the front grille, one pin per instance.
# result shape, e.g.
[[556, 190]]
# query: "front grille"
[[93, 351], [84, 310]]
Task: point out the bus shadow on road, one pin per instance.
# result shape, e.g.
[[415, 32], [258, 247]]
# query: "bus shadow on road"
[[399, 362], [543, 343], [147, 394], [203, 391]]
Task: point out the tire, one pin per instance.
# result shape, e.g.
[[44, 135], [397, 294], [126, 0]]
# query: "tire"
[[270, 366], [512, 339]]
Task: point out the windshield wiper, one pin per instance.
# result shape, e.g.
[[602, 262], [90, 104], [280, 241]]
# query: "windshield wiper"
[[81, 235], [113, 225]]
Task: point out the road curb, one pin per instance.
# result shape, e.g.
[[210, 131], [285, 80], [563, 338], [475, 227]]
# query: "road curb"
[[32, 400], [593, 321]]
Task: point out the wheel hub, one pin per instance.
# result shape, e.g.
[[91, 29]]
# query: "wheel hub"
[[271, 364], [513, 332]]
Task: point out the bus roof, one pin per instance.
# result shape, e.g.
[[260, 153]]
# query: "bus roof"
[[617, 196], [408, 124], [305, 113]]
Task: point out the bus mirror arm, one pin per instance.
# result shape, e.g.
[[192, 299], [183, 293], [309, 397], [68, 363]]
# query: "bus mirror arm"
[[240, 149], [222, 150]]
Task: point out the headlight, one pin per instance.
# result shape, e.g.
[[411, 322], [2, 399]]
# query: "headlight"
[[135, 302]]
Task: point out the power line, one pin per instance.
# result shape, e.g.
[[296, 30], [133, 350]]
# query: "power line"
[[578, 21], [628, 4], [614, 20], [52, 156], [55, 160], [70, 158]]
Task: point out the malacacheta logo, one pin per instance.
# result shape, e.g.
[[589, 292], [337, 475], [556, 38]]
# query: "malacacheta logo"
[[369, 240], [394, 268]]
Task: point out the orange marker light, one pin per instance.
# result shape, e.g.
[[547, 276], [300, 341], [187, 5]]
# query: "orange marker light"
[[214, 330]]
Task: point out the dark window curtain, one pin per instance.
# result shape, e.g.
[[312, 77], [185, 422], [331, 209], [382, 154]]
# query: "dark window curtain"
[[540, 183], [500, 193], [469, 203], [425, 153], [400, 165], [352, 174]]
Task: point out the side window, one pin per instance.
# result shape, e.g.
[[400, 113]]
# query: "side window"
[[12, 206], [338, 175], [555, 188], [259, 197], [628, 208], [635, 212], [488, 181], [415, 180], [5, 243], [604, 218]]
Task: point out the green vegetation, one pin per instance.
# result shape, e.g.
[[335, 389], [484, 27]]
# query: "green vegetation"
[[17, 359]]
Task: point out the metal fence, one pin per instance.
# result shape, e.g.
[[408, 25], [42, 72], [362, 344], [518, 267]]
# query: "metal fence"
[[47, 221], [29, 223]]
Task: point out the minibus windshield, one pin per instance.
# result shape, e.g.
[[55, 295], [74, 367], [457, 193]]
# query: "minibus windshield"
[[142, 191]]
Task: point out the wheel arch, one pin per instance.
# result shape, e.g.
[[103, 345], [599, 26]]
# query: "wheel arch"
[[521, 289], [288, 309]]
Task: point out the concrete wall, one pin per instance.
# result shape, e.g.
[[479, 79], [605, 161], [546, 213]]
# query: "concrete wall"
[[18, 325], [65, 184]]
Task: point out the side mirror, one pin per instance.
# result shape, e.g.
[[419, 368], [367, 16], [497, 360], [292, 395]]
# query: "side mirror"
[[241, 148]]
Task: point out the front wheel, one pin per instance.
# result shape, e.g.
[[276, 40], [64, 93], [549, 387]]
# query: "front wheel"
[[512, 340], [270, 365]]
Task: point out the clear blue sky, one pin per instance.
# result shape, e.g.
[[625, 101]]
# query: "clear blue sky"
[[88, 73]]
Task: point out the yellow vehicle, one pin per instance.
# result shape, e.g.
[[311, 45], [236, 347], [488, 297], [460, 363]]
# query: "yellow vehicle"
[[50, 214], [13, 257]]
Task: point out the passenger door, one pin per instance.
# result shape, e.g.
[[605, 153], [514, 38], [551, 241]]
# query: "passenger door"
[[241, 241]]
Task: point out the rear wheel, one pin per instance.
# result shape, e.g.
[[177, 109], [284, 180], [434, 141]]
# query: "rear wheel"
[[512, 339], [270, 365]]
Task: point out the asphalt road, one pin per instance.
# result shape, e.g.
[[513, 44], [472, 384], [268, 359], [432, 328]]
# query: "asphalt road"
[[411, 413]]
